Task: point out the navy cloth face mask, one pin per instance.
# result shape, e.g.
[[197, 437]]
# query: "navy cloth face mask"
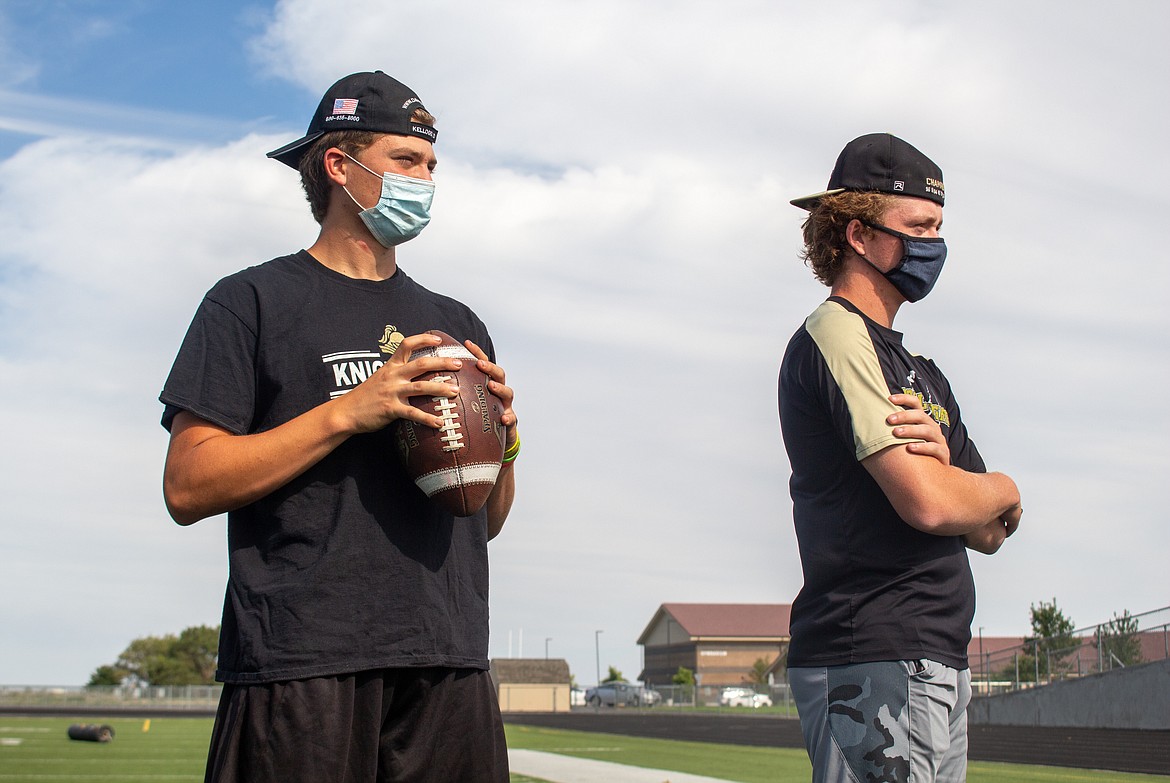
[[921, 264]]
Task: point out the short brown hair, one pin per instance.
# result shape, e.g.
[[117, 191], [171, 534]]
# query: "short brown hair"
[[312, 165], [824, 230]]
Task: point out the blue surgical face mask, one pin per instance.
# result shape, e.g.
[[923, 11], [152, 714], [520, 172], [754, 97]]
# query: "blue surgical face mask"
[[402, 211], [921, 264]]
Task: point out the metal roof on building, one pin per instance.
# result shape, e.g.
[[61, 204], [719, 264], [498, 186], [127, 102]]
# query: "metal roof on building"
[[726, 621], [554, 671]]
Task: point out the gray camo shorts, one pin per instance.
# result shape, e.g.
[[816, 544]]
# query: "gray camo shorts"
[[884, 722]]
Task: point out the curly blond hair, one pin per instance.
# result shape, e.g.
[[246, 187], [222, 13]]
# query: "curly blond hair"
[[824, 230]]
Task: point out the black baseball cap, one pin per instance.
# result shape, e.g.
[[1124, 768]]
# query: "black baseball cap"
[[885, 164], [361, 101]]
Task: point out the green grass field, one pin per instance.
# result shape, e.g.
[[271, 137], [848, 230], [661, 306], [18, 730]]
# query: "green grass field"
[[760, 765], [175, 748], [39, 749]]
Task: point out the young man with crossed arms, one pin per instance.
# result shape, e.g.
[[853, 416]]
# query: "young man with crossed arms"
[[888, 490]]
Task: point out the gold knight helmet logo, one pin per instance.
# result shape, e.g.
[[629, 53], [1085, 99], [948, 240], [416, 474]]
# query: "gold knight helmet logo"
[[391, 339]]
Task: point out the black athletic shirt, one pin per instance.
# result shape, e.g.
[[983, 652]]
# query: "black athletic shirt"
[[875, 588], [348, 567]]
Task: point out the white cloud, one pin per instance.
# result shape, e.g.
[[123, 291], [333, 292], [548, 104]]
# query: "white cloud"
[[612, 200], [681, 133], [36, 114]]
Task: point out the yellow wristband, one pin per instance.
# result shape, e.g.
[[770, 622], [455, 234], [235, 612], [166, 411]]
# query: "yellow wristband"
[[512, 451]]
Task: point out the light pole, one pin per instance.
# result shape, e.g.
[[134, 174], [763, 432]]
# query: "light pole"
[[983, 665], [547, 639], [597, 649]]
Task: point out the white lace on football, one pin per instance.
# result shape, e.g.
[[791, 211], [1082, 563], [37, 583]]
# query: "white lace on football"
[[443, 352], [448, 411]]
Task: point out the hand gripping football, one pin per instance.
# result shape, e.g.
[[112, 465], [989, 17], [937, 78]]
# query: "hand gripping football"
[[456, 465]]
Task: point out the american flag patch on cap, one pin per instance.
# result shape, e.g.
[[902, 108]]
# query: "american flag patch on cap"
[[345, 105]]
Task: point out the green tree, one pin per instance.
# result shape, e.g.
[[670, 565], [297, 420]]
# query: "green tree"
[[106, 676], [614, 675], [145, 657], [1117, 641], [198, 648], [684, 679], [186, 659], [759, 672], [1050, 643]]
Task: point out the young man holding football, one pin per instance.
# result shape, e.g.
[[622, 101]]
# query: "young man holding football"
[[888, 490], [355, 625]]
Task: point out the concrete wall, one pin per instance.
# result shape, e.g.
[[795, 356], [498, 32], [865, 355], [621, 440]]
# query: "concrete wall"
[[1137, 697], [524, 697]]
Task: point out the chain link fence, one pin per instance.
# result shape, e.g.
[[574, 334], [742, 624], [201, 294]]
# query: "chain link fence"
[[200, 698], [745, 697], [1127, 640]]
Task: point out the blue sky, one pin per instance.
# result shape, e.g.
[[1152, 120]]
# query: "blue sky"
[[172, 70], [612, 200]]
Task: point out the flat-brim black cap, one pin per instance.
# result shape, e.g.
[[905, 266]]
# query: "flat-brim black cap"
[[882, 163], [368, 101]]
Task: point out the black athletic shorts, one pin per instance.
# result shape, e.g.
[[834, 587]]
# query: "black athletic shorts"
[[400, 725]]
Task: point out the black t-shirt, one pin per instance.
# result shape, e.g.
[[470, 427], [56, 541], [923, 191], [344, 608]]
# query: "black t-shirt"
[[875, 588], [348, 567]]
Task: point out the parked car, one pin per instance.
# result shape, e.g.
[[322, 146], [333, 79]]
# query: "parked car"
[[576, 697], [625, 694], [744, 697]]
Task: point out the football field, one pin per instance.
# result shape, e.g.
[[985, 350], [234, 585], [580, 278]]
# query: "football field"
[[762, 765], [175, 748]]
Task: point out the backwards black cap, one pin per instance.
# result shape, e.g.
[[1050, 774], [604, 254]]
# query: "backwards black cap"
[[361, 101], [883, 163]]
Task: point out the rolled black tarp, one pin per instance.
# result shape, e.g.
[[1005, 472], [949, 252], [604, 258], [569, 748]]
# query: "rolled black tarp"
[[91, 732]]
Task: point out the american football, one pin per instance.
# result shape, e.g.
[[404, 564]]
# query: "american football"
[[456, 465]]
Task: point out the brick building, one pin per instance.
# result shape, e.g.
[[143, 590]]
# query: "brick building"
[[720, 643]]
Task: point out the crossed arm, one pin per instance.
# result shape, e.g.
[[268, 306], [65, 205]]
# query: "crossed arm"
[[935, 497], [210, 470]]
